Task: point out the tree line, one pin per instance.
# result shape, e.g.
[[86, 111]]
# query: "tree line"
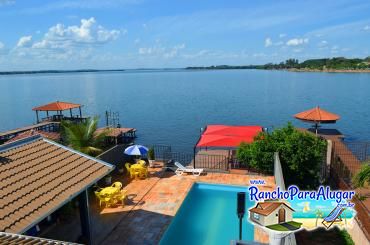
[[336, 63]]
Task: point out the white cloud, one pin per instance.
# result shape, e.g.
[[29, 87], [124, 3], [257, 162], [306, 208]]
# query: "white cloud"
[[174, 51], [366, 28], [198, 54], [259, 55], [297, 41], [88, 33], [67, 42], [1, 45], [268, 42], [282, 35], [158, 50], [25, 41]]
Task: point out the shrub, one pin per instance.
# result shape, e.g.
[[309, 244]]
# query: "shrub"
[[151, 154], [301, 155]]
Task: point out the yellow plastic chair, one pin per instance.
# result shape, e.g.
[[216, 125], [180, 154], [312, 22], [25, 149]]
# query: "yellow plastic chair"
[[102, 199], [120, 197], [117, 185], [142, 163], [143, 172], [129, 171]]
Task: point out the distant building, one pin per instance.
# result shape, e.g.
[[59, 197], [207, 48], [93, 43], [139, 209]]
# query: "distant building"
[[271, 213]]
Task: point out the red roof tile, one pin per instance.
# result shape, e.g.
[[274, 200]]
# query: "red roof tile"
[[38, 176], [266, 208], [56, 106]]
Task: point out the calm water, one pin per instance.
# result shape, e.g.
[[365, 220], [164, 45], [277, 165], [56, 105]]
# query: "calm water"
[[170, 107], [208, 216]]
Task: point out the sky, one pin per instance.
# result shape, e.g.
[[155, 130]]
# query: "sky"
[[123, 34]]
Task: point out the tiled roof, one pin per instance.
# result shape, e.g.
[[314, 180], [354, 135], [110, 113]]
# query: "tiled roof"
[[266, 208], [9, 238], [37, 176], [56, 106], [50, 135]]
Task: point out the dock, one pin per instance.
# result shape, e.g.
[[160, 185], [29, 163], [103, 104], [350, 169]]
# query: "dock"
[[43, 126], [118, 135]]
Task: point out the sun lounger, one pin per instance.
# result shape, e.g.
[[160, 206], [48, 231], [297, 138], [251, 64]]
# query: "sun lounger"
[[334, 216], [181, 169]]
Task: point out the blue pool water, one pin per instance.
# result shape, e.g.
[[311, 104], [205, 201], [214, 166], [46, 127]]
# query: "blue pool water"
[[208, 216]]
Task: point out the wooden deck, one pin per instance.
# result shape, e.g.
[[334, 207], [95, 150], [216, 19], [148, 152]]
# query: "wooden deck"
[[340, 150], [43, 126], [118, 135]]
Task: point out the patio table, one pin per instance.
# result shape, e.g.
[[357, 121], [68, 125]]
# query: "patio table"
[[137, 168]]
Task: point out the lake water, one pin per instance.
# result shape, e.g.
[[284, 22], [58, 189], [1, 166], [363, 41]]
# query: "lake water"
[[170, 107]]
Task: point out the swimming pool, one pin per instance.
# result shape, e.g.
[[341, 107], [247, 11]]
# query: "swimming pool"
[[208, 216]]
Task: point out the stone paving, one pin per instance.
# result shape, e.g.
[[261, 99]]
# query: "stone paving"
[[153, 202]]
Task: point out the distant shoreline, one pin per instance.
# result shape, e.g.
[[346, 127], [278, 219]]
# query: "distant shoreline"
[[55, 71], [330, 70], [282, 69], [4, 73]]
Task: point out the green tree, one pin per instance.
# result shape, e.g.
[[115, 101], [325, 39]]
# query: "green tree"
[[83, 136], [301, 155], [363, 177]]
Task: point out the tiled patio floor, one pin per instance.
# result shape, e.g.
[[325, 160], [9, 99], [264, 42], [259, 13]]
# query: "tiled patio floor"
[[151, 205]]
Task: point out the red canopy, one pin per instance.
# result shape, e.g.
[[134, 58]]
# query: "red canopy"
[[57, 106], [228, 136]]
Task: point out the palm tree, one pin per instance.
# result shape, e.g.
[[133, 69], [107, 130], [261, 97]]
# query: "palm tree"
[[363, 177], [83, 137], [319, 214]]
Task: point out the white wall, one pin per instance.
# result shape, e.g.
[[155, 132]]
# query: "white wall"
[[273, 218]]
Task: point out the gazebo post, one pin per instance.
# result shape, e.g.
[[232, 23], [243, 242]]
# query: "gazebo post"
[[85, 216], [79, 108], [194, 157], [37, 116], [70, 112]]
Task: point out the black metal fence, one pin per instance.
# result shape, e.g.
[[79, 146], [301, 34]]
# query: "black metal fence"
[[207, 161], [348, 158], [162, 152], [360, 149], [210, 162]]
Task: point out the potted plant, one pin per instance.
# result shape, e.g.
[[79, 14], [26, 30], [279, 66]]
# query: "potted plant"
[[151, 157], [108, 179]]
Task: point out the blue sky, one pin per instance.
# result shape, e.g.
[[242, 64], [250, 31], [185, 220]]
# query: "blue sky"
[[73, 34]]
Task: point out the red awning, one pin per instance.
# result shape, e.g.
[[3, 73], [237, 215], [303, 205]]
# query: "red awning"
[[228, 136], [232, 130], [57, 106]]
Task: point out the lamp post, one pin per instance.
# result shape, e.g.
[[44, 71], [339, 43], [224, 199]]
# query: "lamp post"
[[241, 211]]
